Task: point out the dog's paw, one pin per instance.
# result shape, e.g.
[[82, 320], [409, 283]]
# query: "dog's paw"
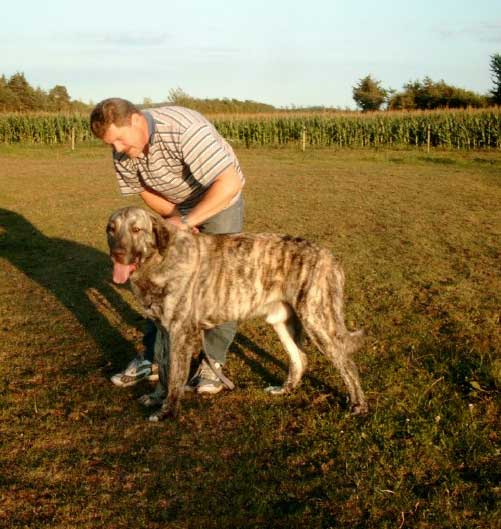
[[154, 418], [170, 411], [360, 409], [150, 401], [275, 390]]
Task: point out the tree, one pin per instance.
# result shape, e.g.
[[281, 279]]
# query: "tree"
[[428, 94], [177, 96], [368, 94], [39, 100], [496, 78], [16, 94], [25, 94], [59, 98], [8, 99]]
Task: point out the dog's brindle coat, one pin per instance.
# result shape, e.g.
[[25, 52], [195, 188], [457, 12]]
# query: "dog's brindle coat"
[[187, 283]]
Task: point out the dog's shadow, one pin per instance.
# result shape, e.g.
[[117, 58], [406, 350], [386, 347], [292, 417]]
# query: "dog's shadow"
[[259, 358], [78, 276]]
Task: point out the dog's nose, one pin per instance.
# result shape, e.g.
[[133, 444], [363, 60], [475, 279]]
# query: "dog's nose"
[[117, 253]]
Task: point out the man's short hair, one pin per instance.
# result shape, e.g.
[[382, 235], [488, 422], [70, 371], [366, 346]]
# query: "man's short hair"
[[114, 111]]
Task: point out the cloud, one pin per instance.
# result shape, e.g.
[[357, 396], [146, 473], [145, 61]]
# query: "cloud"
[[131, 39], [150, 41], [482, 32], [91, 41]]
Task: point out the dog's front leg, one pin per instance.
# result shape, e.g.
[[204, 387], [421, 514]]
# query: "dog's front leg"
[[183, 343]]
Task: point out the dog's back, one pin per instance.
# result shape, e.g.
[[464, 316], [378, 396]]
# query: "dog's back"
[[241, 273]]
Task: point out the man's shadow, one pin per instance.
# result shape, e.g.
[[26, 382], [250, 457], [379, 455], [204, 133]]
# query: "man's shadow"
[[78, 276]]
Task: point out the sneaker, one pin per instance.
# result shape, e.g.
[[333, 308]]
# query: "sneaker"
[[205, 380], [136, 371]]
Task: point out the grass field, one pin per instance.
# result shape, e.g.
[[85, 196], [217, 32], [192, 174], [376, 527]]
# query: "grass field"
[[419, 235]]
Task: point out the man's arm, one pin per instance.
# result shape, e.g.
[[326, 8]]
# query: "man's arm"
[[219, 195], [159, 204]]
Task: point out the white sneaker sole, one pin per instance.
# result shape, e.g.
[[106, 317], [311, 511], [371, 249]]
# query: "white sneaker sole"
[[122, 381], [208, 390]]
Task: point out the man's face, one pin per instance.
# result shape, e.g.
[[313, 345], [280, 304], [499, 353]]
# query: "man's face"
[[131, 139]]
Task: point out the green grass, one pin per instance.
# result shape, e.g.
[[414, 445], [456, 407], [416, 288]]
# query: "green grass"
[[419, 235]]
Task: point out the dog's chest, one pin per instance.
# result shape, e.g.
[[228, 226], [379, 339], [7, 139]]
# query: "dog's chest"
[[151, 296], [160, 299]]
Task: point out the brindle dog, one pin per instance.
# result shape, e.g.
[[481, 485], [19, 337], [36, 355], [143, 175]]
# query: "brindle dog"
[[187, 283]]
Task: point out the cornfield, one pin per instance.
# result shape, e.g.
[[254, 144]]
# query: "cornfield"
[[44, 128], [445, 129], [459, 129]]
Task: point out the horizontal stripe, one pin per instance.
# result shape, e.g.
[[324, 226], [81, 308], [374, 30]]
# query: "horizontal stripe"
[[186, 154]]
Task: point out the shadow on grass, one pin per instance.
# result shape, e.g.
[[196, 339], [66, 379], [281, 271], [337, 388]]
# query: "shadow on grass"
[[77, 275], [439, 161], [241, 344]]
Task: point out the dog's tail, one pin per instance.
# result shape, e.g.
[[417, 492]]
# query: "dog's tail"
[[354, 341]]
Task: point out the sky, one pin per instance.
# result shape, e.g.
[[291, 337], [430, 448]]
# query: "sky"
[[284, 53]]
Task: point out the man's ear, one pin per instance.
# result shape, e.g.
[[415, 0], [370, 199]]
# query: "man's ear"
[[135, 119], [160, 232]]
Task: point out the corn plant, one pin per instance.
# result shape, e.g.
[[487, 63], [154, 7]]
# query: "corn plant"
[[451, 129]]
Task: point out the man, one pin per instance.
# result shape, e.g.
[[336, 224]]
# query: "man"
[[185, 171]]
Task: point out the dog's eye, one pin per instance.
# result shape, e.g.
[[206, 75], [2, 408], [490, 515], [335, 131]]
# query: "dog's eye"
[[135, 229], [110, 229]]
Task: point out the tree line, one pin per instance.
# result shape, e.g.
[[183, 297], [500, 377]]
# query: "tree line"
[[177, 96], [369, 94], [17, 95]]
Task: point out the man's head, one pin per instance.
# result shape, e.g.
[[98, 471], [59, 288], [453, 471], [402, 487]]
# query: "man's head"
[[120, 124]]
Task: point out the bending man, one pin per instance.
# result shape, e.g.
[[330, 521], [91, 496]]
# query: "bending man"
[[184, 170]]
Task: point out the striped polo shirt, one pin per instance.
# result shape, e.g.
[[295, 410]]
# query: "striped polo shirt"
[[186, 154]]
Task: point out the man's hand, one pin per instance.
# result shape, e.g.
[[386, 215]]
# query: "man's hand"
[[218, 197], [180, 225]]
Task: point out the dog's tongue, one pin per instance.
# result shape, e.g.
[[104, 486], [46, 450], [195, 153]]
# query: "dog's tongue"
[[121, 272]]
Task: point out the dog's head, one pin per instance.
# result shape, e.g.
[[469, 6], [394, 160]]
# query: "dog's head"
[[134, 235]]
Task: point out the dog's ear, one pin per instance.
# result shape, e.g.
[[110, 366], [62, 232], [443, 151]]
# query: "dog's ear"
[[160, 232]]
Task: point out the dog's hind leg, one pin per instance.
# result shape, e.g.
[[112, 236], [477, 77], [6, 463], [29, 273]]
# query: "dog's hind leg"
[[321, 313], [339, 348], [289, 330]]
